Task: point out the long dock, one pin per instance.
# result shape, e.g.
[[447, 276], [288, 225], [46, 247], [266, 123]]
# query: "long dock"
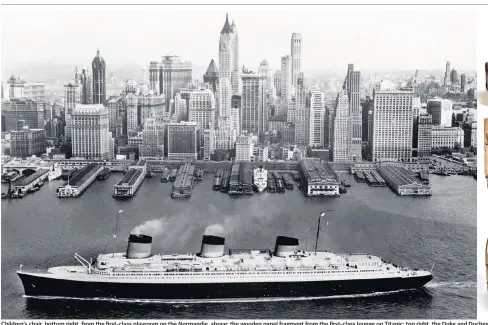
[[183, 186], [130, 183], [403, 182], [80, 181], [26, 183]]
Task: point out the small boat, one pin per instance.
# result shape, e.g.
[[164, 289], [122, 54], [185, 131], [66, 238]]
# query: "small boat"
[[104, 174], [342, 189], [150, 174], [345, 183]]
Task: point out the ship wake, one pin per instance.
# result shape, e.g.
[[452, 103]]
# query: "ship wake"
[[220, 301], [451, 284]]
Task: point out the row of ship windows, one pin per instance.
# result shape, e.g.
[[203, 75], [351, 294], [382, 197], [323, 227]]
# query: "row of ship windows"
[[137, 273]]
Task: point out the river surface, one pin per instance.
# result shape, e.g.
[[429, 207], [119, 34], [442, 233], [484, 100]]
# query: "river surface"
[[41, 231]]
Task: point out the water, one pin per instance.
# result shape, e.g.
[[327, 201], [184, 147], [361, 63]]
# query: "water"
[[41, 231]]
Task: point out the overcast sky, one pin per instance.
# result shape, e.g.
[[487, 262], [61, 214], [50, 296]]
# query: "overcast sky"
[[370, 37]]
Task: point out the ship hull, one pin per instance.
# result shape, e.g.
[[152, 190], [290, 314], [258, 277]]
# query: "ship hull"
[[37, 285]]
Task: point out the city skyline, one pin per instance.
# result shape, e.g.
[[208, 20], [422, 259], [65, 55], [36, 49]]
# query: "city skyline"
[[415, 39]]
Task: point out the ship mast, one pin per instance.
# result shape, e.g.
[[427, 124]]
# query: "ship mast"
[[318, 230], [115, 231]]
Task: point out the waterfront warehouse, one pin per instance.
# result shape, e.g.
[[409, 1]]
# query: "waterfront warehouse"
[[28, 182], [402, 181], [77, 184], [318, 179], [129, 184], [183, 185]]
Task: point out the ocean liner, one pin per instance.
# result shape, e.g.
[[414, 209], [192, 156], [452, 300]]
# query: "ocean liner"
[[260, 179], [286, 272]]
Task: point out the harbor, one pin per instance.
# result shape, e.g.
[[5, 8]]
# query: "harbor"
[[183, 185], [132, 180], [363, 221], [80, 181]]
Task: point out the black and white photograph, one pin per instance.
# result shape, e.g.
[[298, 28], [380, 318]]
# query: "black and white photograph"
[[239, 162]]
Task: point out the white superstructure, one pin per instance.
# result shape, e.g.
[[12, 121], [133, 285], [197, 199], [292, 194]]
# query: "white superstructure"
[[260, 178]]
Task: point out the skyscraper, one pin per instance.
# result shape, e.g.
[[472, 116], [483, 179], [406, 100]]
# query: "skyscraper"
[[317, 115], [286, 76], [182, 141], [341, 135], [454, 76], [87, 87], [152, 140], [441, 111], [254, 108], [352, 85], [202, 112], [90, 132], [72, 97], [277, 82], [424, 142], [392, 125], [463, 82], [226, 65], [302, 114], [296, 60], [447, 74], [99, 82], [212, 76]]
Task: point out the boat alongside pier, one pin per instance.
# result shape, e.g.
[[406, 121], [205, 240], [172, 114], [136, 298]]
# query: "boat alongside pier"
[[30, 183], [288, 181], [280, 187], [183, 186], [224, 185], [80, 181], [217, 181], [130, 183], [165, 177], [104, 174]]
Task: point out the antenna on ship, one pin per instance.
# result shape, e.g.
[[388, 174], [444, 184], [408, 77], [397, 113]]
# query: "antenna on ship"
[[115, 231], [318, 229]]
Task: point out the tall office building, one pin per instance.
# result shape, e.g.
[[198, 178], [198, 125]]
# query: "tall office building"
[[202, 112], [99, 82], [341, 135], [169, 76], [277, 82], [286, 76], [254, 110], [131, 101], [90, 132], [296, 53], [454, 77], [352, 85], [212, 77], [441, 111], [302, 114], [86, 87], [463, 82], [26, 90], [152, 140], [244, 148], [26, 142], [72, 97], [182, 141], [447, 73], [392, 125], [424, 143], [27, 110], [317, 115]]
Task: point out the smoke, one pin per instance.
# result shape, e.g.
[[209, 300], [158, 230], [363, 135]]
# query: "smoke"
[[150, 228], [216, 230]]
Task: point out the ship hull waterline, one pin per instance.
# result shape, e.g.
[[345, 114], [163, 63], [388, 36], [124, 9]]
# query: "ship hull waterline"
[[39, 286]]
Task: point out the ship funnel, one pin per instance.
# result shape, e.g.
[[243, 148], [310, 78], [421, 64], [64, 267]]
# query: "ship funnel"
[[285, 246], [212, 246], [139, 246]]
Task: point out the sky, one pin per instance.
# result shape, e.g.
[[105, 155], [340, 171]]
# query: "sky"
[[373, 38]]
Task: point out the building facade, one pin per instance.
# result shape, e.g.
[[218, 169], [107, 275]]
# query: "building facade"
[[99, 81], [26, 142], [441, 111], [341, 134], [244, 148], [317, 115], [424, 143], [296, 57], [90, 132], [447, 137], [28, 110], [182, 141], [302, 114], [353, 87], [254, 110], [392, 125]]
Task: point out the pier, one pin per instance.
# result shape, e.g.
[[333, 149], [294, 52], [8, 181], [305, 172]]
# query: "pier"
[[26, 184], [234, 187], [130, 183], [183, 186], [80, 181], [318, 179], [403, 182]]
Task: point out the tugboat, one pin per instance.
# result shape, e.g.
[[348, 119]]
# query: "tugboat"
[[286, 271]]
